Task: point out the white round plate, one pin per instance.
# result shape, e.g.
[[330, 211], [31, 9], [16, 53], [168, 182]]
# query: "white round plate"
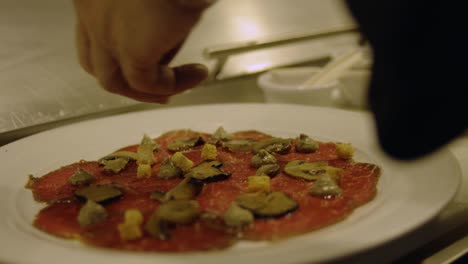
[[409, 194]]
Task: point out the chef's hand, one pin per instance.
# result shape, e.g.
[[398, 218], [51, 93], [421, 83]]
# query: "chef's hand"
[[127, 45]]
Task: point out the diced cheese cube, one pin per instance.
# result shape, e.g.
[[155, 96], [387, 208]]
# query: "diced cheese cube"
[[209, 152], [130, 229], [258, 183], [182, 162], [344, 150], [133, 216]]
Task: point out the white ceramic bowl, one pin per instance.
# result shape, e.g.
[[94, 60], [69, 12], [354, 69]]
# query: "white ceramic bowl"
[[353, 86], [283, 86]]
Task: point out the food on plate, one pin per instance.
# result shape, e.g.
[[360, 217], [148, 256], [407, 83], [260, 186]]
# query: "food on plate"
[[192, 191]]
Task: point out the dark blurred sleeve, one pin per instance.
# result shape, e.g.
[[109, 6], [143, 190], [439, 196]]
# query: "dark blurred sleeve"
[[419, 85]]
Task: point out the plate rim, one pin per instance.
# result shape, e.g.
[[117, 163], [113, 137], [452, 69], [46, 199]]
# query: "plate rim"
[[182, 108]]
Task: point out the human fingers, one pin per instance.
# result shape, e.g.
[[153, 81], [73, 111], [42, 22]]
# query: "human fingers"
[[83, 46], [189, 75], [162, 80], [108, 73]]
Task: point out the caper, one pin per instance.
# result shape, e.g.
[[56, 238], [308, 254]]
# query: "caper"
[[263, 157], [268, 169], [208, 172], [115, 165], [325, 186], [305, 144], [221, 135], [81, 177], [91, 213], [273, 145], [237, 216], [181, 144]]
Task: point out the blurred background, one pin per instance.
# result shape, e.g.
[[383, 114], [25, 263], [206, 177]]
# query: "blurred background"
[[42, 84]]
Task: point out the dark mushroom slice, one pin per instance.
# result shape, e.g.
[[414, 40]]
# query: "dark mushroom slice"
[[179, 211], [237, 216], [213, 221], [158, 228], [266, 205], [128, 155], [168, 170], [99, 193], [273, 145], [173, 212], [91, 213], [159, 196], [181, 144], [305, 144], [305, 170], [268, 169], [81, 177], [187, 189], [208, 172], [279, 204], [263, 157], [325, 186], [239, 145], [252, 201]]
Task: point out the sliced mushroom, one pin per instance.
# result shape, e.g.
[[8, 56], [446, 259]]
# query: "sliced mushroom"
[[81, 177], [273, 145], [325, 186], [159, 196], [168, 170], [279, 204], [99, 193], [181, 144], [208, 172], [187, 189], [268, 169], [305, 144], [179, 211], [305, 170], [173, 212], [91, 213], [239, 145], [264, 205], [263, 157], [158, 228], [237, 216]]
